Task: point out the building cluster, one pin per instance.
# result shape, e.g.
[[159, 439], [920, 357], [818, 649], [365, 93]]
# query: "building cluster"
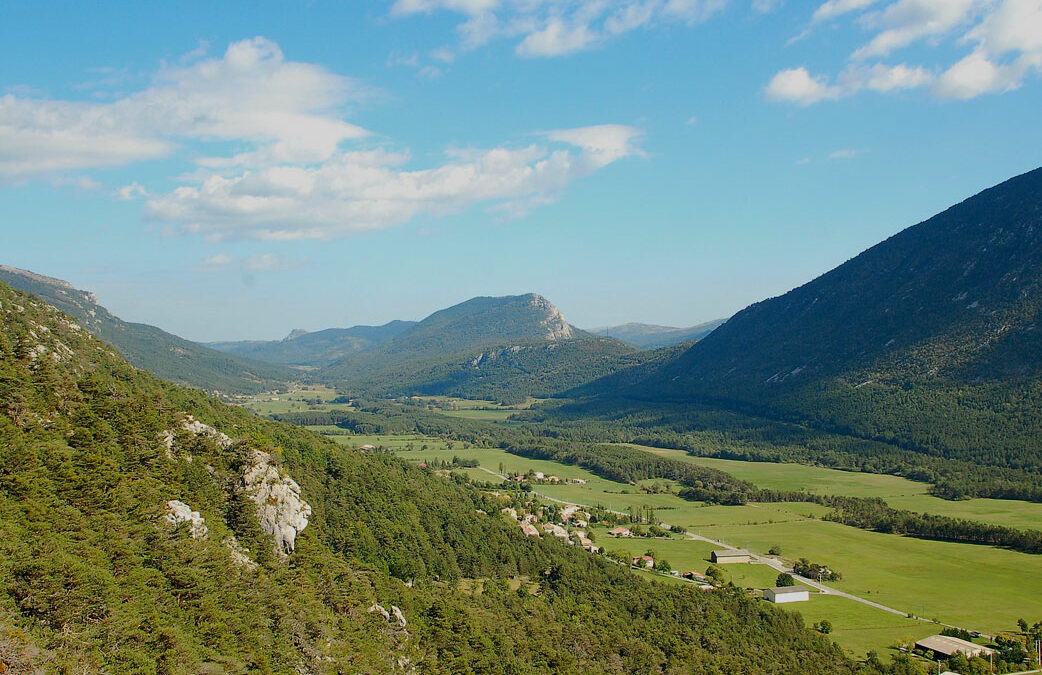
[[540, 477], [570, 527]]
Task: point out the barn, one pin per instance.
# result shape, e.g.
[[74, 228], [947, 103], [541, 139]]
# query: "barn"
[[786, 594], [731, 556]]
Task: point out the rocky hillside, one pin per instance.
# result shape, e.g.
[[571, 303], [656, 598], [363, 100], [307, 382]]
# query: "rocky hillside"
[[147, 528], [167, 356], [501, 348]]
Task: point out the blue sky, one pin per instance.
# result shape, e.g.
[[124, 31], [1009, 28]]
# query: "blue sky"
[[240, 170]]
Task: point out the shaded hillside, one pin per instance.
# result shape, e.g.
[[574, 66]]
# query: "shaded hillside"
[[137, 538], [648, 336], [317, 349], [501, 348], [167, 356], [928, 340]]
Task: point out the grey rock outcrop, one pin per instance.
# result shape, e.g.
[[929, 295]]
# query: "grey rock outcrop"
[[281, 511], [179, 513]]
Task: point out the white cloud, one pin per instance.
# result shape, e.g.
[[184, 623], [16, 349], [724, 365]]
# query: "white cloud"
[[976, 75], [128, 192], [547, 28], [796, 85], [907, 21], [217, 260], [845, 153], [1004, 40], [834, 8], [358, 191], [288, 112]]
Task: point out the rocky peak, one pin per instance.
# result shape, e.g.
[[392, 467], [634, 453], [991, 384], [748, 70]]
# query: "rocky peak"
[[557, 328]]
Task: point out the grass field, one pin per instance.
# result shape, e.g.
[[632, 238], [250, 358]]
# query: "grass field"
[[898, 492], [978, 587]]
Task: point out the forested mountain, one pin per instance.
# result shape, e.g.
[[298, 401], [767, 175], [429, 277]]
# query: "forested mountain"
[[501, 348], [649, 336], [929, 341], [317, 349], [167, 356], [135, 536]]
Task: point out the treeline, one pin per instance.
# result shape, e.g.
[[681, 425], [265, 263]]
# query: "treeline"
[[749, 434], [629, 465], [875, 514]]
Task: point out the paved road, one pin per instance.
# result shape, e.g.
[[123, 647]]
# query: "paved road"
[[776, 564], [770, 562]]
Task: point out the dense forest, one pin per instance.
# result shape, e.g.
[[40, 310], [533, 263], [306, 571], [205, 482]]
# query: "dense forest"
[[93, 579]]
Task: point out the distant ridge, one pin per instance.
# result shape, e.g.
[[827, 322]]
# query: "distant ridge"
[[505, 348], [650, 336], [149, 348]]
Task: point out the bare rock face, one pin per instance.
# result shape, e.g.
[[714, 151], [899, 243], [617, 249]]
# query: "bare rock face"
[[280, 510], [239, 553], [192, 426], [554, 323], [178, 513]]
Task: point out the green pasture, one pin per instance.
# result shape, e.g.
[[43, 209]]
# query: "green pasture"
[[976, 587], [900, 493]]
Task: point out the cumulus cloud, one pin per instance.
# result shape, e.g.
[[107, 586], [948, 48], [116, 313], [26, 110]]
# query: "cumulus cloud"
[[358, 191], [288, 112], [1003, 38], [298, 169], [547, 28], [797, 85]]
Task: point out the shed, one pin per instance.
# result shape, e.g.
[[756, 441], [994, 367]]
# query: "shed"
[[731, 556], [786, 594], [946, 646]]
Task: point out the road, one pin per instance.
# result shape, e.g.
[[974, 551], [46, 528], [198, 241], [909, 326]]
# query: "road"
[[773, 563]]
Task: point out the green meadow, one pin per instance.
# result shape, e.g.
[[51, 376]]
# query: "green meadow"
[[977, 587], [898, 492]]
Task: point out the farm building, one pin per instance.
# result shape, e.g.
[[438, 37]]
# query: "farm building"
[[944, 646], [731, 556], [644, 561], [620, 532], [786, 594]]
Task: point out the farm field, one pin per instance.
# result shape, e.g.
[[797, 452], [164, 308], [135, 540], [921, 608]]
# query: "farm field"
[[978, 587], [900, 493]]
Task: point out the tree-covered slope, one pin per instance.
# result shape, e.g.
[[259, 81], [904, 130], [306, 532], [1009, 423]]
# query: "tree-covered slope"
[[96, 575], [499, 348], [928, 340], [317, 349], [167, 356]]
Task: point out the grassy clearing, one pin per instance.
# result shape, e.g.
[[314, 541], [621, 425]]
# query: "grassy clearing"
[[898, 492]]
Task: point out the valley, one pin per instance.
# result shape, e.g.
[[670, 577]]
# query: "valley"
[[974, 587]]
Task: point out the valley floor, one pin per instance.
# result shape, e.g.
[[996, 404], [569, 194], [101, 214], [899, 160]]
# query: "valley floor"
[[974, 587]]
